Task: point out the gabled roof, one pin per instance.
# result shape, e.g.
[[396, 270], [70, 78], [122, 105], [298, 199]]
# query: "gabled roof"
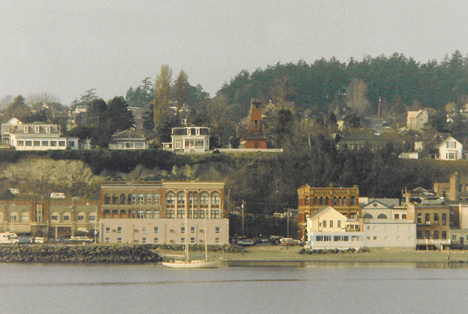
[[449, 138], [13, 121], [324, 210], [415, 114], [127, 134], [367, 206]]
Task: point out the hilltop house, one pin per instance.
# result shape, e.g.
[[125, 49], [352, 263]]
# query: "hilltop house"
[[128, 140], [416, 120], [35, 136], [189, 139]]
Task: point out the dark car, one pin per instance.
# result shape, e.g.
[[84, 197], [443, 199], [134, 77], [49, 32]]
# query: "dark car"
[[24, 240]]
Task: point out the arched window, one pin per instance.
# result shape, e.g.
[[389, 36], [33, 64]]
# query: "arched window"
[[134, 197], [141, 199], [181, 198], [368, 216], [334, 201], [315, 200], [122, 199], [156, 199], [193, 198], [148, 199], [204, 198], [327, 201], [107, 199], [307, 200], [170, 198], [340, 201], [321, 200], [345, 201], [129, 199], [215, 198], [115, 199], [148, 214], [353, 200], [140, 214], [382, 216]]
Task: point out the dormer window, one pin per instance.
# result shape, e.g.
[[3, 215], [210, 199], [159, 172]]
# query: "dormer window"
[[26, 129], [47, 129], [37, 129]]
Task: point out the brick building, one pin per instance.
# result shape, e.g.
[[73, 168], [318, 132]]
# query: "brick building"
[[312, 199], [50, 218], [157, 210]]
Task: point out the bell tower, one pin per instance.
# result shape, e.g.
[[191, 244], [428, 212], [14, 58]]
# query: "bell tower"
[[255, 132]]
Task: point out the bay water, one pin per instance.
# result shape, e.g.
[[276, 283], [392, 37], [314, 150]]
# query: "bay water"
[[316, 288]]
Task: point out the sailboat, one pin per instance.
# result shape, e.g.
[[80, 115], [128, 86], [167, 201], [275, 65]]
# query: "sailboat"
[[187, 262]]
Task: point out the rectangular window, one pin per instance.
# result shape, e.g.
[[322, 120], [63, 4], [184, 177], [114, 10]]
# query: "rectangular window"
[[107, 240], [182, 229], [20, 143], [345, 238], [156, 240], [338, 223], [444, 235], [156, 214], [181, 214], [28, 143], [444, 219], [426, 217], [337, 238], [403, 216], [436, 217], [119, 229], [182, 240], [45, 143], [66, 218], [331, 223], [54, 218], [37, 143], [217, 230], [53, 143], [436, 234], [143, 229], [454, 237], [119, 240], [397, 216], [92, 218], [62, 143], [107, 229], [324, 224], [156, 230], [81, 218], [192, 229], [192, 240], [216, 240], [37, 129], [214, 214], [170, 213], [143, 240]]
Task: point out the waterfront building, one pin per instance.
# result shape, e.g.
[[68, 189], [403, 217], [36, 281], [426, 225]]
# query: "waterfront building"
[[128, 139], [432, 224], [162, 206], [389, 233], [50, 218], [329, 229], [311, 199], [454, 191]]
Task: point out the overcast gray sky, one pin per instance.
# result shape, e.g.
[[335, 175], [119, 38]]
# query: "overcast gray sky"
[[68, 47]]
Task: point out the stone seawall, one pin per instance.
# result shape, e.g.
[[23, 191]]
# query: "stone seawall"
[[137, 254]]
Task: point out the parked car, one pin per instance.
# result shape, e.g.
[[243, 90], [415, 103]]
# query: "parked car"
[[24, 240], [38, 240], [246, 242], [288, 241], [80, 240]]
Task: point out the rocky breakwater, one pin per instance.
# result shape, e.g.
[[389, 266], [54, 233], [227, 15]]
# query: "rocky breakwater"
[[137, 254]]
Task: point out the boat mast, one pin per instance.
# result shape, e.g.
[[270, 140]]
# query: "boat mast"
[[187, 253], [206, 243]]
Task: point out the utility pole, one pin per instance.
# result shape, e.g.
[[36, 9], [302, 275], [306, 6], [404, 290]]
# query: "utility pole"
[[243, 233], [288, 223]]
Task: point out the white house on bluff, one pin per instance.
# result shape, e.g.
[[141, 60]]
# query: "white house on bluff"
[[35, 136], [189, 139]]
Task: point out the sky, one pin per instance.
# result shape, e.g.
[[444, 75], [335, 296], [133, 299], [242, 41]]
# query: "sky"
[[68, 47]]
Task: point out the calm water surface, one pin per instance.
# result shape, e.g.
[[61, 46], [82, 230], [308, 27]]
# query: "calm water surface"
[[317, 288]]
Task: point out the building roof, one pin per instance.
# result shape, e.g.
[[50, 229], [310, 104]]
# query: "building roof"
[[127, 134]]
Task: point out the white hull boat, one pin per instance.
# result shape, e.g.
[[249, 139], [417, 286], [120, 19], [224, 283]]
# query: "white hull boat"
[[192, 264]]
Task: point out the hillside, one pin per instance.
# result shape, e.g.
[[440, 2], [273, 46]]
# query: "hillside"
[[253, 177]]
